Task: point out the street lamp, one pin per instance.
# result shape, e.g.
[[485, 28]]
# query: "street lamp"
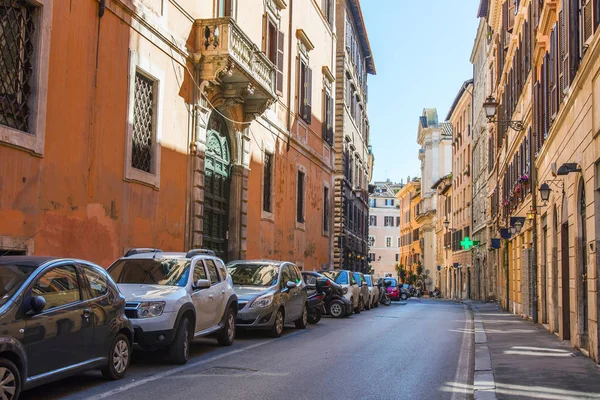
[[545, 192], [491, 107], [512, 230], [446, 223], [518, 226]]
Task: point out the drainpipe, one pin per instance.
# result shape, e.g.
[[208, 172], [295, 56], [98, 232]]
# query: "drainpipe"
[[535, 233], [289, 96]]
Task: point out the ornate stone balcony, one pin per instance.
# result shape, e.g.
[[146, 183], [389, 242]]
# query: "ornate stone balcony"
[[230, 59]]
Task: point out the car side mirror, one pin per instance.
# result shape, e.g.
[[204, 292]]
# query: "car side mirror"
[[38, 303], [290, 285], [365, 284], [202, 284]]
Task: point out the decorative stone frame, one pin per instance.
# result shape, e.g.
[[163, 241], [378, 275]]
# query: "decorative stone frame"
[[138, 63], [34, 140], [301, 225], [266, 215]]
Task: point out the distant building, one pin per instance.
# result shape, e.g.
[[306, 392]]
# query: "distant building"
[[436, 161], [409, 200], [384, 224]]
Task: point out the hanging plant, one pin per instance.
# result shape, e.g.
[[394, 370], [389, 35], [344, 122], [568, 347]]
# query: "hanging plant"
[[517, 188], [505, 203], [524, 179]]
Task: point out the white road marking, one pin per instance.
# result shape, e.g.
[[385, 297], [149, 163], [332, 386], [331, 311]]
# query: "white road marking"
[[462, 368], [198, 363]]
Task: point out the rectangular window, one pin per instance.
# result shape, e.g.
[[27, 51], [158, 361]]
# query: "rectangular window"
[[371, 257], [326, 209], [300, 198], [144, 112], [372, 220], [388, 242], [373, 203], [328, 118], [224, 8], [397, 257], [327, 8], [398, 242], [397, 221], [388, 221], [305, 91], [16, 69], [274, 46], [267, 183]]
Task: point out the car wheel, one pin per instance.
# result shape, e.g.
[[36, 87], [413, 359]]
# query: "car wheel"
[[277, 328], [10, 380], [403, 296], [368, 305], [302, 322], [118, 358], [227, 334], [179, 350], [336, 309]]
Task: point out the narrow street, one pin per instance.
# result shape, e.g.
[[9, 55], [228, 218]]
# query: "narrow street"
[[408, 350]]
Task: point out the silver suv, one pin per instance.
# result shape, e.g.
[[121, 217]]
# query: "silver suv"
[[172, 298]]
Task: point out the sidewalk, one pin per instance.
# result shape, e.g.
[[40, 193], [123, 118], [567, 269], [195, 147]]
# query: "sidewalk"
[[517, 359]]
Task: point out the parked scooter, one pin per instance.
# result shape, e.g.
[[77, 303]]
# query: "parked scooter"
[[315, 305], [384, 297], [334, 302]]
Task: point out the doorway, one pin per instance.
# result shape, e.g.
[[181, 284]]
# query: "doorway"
[[555, 270], [582, 270], [566, 297], [544, 270], [217, 171]]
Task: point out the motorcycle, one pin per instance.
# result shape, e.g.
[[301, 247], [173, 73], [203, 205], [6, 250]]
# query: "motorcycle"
[[384, 297], [336, 305], [316, 304]]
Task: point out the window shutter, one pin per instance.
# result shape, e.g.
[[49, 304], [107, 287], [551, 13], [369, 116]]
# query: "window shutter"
[[551, 75], [302, 90], [330, 122], [511, 15], [308, 103], [596, 12], [562, 47], [588, 25], [536, 113], [573, 39], [280, 58]]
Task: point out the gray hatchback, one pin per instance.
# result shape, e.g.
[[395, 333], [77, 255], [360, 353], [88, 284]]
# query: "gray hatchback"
[[270, 294]]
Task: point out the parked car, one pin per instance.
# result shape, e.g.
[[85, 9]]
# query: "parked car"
[[373, 290], [60, 317], [173, 298], [336, 304], [409, 289], [348, 282], [395, 290], [364, 291], [271, 294]]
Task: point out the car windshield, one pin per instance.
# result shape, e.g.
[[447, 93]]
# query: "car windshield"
[[12, 277], [168, 272], [339, 277], [253, 274], [368, 278], [357, 278], [394, 283]]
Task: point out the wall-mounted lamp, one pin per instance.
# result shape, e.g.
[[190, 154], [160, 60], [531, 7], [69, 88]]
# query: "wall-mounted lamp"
[[491, 107]]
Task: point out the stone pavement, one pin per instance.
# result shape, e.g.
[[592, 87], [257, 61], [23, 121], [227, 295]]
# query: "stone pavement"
[[517, 359]]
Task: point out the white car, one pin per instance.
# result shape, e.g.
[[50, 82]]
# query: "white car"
[[373, 290], [172, 298], [351, 289]]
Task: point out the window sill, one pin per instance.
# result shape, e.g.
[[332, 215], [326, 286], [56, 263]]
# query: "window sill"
[[267, 216], [301, 226], [136, 176], [22, 140]]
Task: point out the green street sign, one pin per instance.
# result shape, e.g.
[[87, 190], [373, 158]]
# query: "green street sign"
[[467, 243]]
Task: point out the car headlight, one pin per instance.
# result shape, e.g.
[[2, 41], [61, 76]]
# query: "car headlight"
[[345, 290], [151, 309], [262, 301]]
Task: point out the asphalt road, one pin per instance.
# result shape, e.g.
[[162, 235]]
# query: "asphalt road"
[[411, 350]]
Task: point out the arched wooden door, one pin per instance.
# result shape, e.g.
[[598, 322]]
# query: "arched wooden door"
[[217, 170]]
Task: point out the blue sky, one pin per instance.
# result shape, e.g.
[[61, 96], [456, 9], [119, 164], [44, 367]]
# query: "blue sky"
[[422, 50]]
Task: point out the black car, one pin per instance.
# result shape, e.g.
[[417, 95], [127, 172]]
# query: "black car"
[[59, 317]]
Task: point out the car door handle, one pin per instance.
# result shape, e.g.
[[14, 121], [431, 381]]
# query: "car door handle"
[[222, 291], [210, 296], [87, 312]]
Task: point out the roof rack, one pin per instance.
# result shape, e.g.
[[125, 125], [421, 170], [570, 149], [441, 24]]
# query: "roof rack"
[[197, 252], [141, 250]]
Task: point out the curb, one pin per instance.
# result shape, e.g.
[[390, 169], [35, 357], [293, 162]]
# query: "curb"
[[484, 385]]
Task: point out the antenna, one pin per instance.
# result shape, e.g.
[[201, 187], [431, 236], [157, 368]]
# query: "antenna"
[[19, 245]]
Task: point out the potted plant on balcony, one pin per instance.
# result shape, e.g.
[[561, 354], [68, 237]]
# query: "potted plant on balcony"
[[506, 203], [524, 179], [517, 189]]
